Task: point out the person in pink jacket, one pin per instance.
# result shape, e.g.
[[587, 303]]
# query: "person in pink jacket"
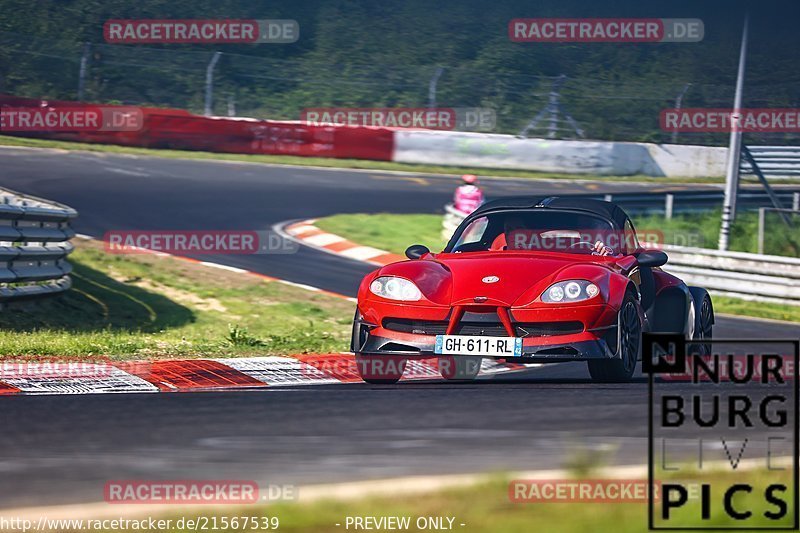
[[468, 195]]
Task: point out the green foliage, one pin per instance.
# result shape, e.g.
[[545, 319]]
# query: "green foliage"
[[364, 53], [239, 336]]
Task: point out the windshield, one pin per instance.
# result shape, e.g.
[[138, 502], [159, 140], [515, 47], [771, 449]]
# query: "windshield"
[[539, 230]]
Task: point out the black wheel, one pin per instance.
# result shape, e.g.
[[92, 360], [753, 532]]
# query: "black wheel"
[[459, 367], [629, 342], [703, 321], [380, 369]]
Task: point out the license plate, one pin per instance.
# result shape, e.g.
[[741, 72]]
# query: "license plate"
[[478, 345]]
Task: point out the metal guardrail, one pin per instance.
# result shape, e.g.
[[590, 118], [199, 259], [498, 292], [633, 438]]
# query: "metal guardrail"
[[34, 245], [670, 203], [767, 278], [757, 277], [774, 161]]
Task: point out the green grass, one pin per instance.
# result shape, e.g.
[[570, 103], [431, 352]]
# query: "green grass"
[[486, 507], [391, 232], [141, 306], [772, 311], [335, 163], [702, 229], [387, 231]]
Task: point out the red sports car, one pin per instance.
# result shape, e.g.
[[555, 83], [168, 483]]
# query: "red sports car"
[[526, 280]]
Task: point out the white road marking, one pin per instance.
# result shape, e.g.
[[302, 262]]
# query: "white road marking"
[[324, 239], [300, 285], [300, 230], [362, 253], [127, 172], [225, 267]]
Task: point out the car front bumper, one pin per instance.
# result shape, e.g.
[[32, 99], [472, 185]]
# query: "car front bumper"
[[592, 342], [583, 347]]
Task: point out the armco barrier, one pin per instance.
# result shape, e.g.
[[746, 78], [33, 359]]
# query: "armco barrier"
[[775, 162], [177, 129], [34, 245], [249, 136], [743, 275], [547, 155], [766, 278]]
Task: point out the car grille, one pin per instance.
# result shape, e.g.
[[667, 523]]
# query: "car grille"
[[495, 329], [546, 329], [420, 327]]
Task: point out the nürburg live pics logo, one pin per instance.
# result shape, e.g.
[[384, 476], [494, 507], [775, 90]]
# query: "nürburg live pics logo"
[[722, 416]]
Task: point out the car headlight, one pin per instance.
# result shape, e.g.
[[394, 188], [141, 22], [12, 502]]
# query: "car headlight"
[[395, 288], [574, 290]]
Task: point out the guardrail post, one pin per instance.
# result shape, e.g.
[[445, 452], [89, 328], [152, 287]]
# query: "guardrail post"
[[669, 201], [678, 102], [796, 201], [762, 211], [432, 87], [87, 47], [734, 149], [210, 83]]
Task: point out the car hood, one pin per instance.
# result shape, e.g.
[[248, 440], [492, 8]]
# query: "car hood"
[[456, 279]]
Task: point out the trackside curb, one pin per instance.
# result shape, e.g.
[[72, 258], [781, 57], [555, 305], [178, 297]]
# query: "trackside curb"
[[194, 375], [305, 232]]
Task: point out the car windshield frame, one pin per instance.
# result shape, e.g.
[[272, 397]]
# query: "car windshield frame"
[[472, 218]]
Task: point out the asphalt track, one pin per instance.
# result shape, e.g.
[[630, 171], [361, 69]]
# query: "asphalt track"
[[56, 450]]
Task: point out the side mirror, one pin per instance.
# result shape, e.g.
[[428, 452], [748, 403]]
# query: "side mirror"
[[652, 258], [415, 251]]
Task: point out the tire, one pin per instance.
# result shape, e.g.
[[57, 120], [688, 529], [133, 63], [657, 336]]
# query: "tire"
[[459, 368], [380, 369], [703, 322], [620, 369]]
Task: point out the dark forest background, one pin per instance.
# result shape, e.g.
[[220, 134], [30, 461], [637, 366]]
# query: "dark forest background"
[[383, 53]]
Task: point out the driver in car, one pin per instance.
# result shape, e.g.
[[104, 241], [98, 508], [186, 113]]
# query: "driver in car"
[[602, 249], [511, 225], [516, 236]]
